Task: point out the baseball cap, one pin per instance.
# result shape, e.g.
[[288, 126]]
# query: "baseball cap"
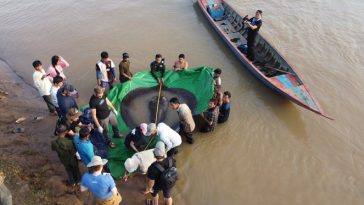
[[150, 129]]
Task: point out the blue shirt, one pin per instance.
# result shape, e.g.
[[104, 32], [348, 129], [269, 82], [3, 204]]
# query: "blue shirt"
[[65, 102], [100, 185], [85, 149]]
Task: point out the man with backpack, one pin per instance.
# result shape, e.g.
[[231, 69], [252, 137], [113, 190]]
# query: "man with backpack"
[[161, 176]]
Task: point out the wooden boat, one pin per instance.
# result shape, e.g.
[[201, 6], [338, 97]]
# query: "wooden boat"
[[269, 67]]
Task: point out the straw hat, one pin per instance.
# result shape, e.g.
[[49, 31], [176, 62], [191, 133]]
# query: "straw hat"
[[96, 160]]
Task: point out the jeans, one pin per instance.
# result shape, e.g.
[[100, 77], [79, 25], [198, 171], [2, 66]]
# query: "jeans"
[[48, 100]]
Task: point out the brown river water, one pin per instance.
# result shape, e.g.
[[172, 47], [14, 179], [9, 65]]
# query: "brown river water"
[[270, 151]]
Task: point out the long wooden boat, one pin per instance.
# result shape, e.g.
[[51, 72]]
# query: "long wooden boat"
[[269, 67]]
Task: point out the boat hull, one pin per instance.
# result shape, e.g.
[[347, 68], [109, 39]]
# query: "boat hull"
[[298, 93]]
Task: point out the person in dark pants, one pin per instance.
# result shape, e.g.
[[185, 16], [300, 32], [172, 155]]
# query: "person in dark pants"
[[124, 69], [158, 66], [66, 152], [224, 110], [43, 84], [187, 124], [135, 140], [154, 177], [102, 116], [254, 25]]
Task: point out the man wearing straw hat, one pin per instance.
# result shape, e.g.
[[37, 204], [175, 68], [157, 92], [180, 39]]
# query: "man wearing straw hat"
[[101, 185]]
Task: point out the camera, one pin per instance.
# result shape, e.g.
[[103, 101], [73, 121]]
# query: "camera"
[[246, 18], [162, 61]]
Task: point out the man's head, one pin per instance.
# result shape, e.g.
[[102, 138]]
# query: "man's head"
[[151, 130], [181, 57], [258, 14], [211, 103], [67, 89], [61, 130], [159, 150], [131, 164], [143, 128], [226, 97], [217, 72], [99, 91], [58, 81], [73, 114], [125, 56], [174, 103], [96, 164], [37, 65], [84, 133], [104, 56], [158, 58], [55, 60]]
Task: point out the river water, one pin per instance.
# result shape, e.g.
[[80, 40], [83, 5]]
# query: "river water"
[[270, 151]]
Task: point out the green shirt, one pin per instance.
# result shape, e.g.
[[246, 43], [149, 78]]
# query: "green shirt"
[[124, 69], [65, 150]]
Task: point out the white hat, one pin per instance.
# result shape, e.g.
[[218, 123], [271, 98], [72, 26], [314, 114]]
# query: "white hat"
[[160, 149], [150, 128], [131, 164], [96, 160]]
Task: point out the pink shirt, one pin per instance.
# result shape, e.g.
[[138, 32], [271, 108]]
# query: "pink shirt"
[[52, 71]]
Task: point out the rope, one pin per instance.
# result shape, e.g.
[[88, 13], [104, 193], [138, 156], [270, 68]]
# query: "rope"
[[156, 113]]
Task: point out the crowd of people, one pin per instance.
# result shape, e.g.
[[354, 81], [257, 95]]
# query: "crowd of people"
[[73, 142]]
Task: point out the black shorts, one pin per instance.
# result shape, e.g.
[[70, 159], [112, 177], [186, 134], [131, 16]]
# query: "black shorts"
[[166, 192]]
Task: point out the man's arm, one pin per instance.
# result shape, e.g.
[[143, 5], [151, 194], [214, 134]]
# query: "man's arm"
[[110, 104], [96, 121], [82, 188], [114, 191], [163, 70], [133, 146], [98, 75]]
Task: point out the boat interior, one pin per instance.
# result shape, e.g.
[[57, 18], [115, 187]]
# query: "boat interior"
[[267, 60]]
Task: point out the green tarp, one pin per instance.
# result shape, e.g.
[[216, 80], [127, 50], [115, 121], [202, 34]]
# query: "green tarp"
[[198, 81]]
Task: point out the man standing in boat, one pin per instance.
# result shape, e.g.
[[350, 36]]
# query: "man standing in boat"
[[254, 25]]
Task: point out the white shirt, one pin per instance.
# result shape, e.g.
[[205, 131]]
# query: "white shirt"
[[145, 159], [54, 91], [168, 136], [185, 115], [43, 85], [104, 69]]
